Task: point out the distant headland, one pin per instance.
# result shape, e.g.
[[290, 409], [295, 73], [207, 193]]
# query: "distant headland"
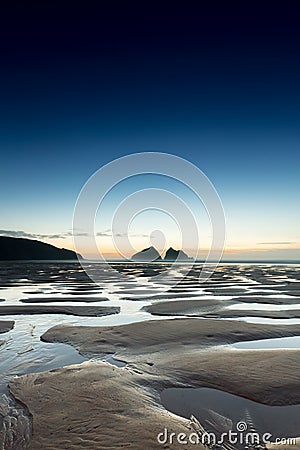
[[19, 249], [150, 254]]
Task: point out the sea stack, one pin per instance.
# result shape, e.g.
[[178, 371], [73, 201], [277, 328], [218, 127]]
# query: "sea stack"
[[148, 254], [176, 255]]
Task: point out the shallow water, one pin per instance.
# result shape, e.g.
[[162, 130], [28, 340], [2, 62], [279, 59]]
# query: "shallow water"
[[22, 351], [263, 307], [265, 344], [219, 412]]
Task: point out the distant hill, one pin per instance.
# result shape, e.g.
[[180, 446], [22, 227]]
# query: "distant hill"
[[151, 254], [148, 254], [176, 255], [13, 249]]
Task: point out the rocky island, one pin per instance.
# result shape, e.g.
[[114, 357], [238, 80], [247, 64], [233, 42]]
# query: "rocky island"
[[150, 254], [176, 255]]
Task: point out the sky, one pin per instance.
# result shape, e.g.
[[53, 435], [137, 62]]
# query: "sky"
[[219, 87]]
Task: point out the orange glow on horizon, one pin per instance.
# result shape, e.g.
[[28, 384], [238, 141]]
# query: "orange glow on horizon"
[[263, 251]]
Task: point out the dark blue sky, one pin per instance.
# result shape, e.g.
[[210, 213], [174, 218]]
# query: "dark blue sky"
[[217, 86]]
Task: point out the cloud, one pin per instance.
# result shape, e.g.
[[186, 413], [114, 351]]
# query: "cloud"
[[130, 235], [24, 234], [109, 233], [104, 233], [275, 243]]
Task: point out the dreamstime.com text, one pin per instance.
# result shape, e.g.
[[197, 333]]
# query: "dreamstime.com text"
[[239, 437]]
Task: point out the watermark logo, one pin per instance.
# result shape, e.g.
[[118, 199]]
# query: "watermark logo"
[[241, 437], [169, 166]]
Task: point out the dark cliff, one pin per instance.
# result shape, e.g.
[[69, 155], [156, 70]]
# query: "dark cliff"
[[13, 249]]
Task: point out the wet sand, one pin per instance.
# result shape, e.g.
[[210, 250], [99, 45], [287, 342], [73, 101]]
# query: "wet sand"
[[228, 314], [186, 307], [212, 308], [99, 406], [6, 325], [284, 446], [49, 299], [96, 406], [77, 310], [108, 407], [172, 334], [269, 300], [154, 348]]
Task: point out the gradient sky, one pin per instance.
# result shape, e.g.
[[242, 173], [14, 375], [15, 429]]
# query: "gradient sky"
[[218, 87]]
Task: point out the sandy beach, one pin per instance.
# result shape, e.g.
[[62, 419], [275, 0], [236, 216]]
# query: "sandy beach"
[[94, 311], [148, 345], [125, 402]]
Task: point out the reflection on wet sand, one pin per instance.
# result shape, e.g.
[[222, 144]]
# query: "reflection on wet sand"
[[36, 296]]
